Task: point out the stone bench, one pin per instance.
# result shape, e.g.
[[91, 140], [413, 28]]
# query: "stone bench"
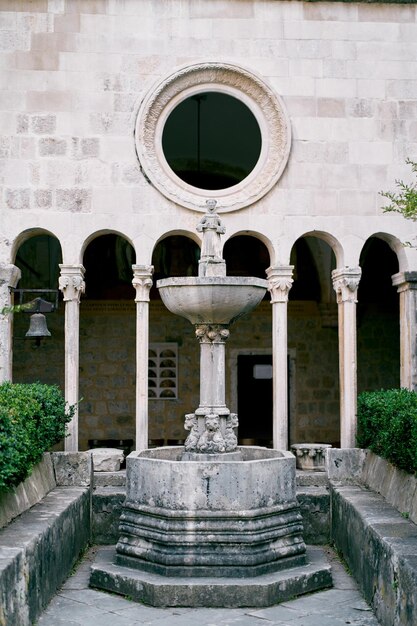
[[377, 539], [34, 559]]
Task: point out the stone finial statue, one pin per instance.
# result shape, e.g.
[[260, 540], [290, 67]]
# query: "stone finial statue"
[[211, 249]]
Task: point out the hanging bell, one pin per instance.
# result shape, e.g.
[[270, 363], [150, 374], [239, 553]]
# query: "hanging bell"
[[37, 328]]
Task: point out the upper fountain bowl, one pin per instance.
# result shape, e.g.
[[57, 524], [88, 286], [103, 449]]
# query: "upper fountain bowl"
[[213, 299]]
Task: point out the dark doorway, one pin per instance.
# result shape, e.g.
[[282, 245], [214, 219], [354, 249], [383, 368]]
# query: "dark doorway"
[[254, 375]]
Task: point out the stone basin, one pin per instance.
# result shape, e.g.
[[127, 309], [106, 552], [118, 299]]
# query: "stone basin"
[[213, 517], [213, 299]]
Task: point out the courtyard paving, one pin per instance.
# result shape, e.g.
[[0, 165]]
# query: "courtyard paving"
[[76, 604]]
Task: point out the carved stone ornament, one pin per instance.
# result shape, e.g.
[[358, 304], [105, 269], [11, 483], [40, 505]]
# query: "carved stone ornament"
[[280, 282], [211, 433], [142, 282], [233, 80], [346, 283], [71, 282], [310, 456], [211, 333]]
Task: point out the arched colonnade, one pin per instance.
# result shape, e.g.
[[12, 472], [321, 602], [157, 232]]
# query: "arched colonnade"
[[345, 280]]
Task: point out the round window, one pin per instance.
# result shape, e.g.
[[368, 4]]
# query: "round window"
[[211, 140], [212, 130]]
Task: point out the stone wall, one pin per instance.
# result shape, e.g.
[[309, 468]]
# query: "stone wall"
[[75, 74]]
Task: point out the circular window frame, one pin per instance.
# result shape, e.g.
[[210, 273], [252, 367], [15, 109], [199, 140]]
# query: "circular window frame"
[[267, 108]]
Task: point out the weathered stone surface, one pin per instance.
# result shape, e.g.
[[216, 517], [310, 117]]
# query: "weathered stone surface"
[[107, 506], [311, 479], [34, 559], [110, 493], [73, 200], [43, 124], [43, 198], [380, 547], [18, 199], [310, 456], [29, 492], [397, 487], [52, 147], [73, 468], [110, 479], [210, 518], [314, 505], [160, 591], [345, 465], [106, 459]]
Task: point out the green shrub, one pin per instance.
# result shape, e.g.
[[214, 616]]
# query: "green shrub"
[[33, 418], [387, 425]]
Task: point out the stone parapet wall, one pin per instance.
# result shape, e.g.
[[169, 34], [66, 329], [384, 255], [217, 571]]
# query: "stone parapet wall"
[[379, 547], [34, 558], [29, 492], [372, 505]]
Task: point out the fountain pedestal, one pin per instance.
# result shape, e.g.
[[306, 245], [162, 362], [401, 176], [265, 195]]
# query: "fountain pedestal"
[[210, 524]]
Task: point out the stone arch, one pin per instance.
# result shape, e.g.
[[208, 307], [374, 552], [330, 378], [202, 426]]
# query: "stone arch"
[[176, 253], [378, 340], [313, 340], [108, 257], [37, 252], [107, 341], [396, 245], [265, 241], [178, 232], [99, 233], [331, 240], [27, 234], [319, 259]]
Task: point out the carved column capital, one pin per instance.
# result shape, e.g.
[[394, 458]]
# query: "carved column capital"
[[280, 281], [211, 333], [71, 282], [142, 281], [345, 283], [404, 281]]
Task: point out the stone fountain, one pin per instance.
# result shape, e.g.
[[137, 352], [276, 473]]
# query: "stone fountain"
[[211, 523]]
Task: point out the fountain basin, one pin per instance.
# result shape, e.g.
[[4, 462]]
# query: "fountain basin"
[[214, 533], [210, 517], [213, 299]]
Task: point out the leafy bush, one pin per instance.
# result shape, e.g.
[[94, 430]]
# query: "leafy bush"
[[33, 418], [387, 425]]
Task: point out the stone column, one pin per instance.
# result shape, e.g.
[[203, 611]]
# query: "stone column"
[[142, 282], [71, 283], [406, 283], [9, 277], [279, 284], [212, 338], [345, 284]]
